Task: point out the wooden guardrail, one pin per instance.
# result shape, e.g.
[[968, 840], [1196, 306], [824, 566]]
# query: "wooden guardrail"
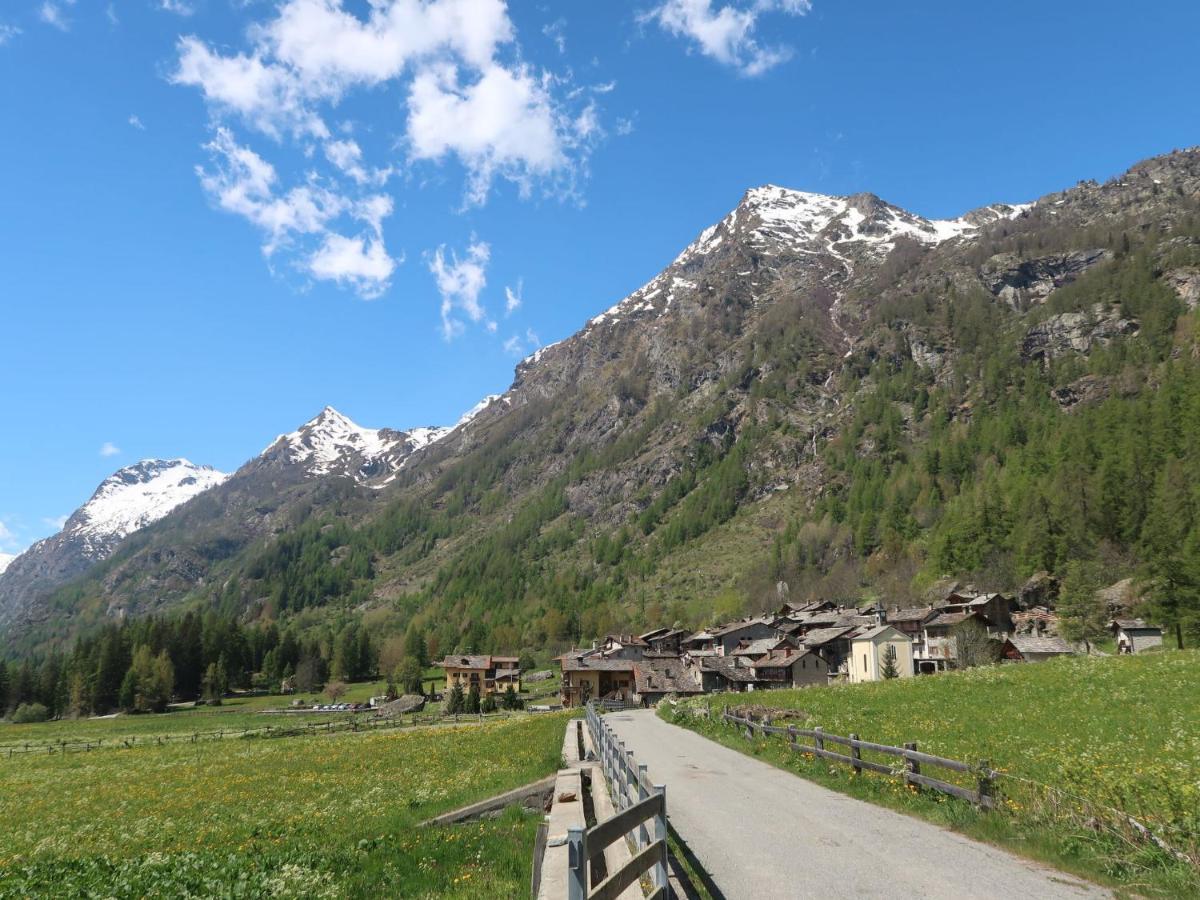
[[641, 811], [983, 794]]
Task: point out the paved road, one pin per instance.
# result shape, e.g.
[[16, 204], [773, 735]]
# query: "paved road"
[[764, 833]]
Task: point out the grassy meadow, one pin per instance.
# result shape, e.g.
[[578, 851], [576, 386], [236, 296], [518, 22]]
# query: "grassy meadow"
[[1079, 740], [316, 816]]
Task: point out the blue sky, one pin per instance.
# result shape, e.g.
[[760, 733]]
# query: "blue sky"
[[220, 215]]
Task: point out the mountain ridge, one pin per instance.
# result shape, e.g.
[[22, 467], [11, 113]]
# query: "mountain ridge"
[[728, 390]]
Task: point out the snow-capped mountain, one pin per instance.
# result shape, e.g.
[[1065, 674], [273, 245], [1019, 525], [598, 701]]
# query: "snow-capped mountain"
[[126, 501], [133, 497], [776, 221]]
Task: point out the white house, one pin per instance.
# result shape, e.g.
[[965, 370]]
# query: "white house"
[[868, 651]]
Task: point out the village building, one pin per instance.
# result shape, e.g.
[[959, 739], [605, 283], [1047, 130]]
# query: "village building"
[[487, 674], [752, 650], [789, 666], [833, 644], [623, 646], [658, 677], [1134, 635], [702, 640], [1033, 648], [912, 622], [587, 675], [729, 636], [869, 649], [721, 673], [665, 640], [1037, 620]]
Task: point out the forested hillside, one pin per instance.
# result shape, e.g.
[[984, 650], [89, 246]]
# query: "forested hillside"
[[844, 404]]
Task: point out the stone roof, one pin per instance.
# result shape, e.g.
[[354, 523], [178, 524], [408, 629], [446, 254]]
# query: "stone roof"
[[1135, 625], [760, 647], [783, 658], [731, 627], [595, 664], [819, 636], [871, 633], [912, 614], [664, 676], [1028, 643], [726, 666], [945, 620]]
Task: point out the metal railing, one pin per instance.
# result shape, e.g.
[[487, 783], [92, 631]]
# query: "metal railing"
[[641, 811]]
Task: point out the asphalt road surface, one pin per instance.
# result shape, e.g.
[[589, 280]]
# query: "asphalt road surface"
[[763, 833]]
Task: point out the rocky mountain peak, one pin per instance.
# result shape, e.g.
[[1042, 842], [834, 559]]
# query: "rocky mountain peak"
[[135, 496]]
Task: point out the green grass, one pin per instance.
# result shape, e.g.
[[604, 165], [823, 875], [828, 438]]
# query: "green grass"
[[1092, 734], [309, 816]]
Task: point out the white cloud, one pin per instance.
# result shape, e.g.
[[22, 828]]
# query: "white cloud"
[[513, 299], [6, 534], [460, 282], [110, 13], [52, 14], [522, 345], [624, 127], [179, 7], [265, 95], [556, 31], [726, 33], [467, 99], [7, 33], [108, 448], [56, 522], [502, 124], [137, 123], [361, 263], [242, 182]]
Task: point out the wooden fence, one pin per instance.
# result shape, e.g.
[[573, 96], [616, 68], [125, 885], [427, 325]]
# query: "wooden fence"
[[267, 731], [910, 767], [641, 811]]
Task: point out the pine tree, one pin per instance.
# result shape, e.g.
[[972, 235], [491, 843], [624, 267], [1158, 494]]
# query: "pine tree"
[[510, 699], [456, 702], [890, 669], [473, 699], [1082, 612], [488, 703]]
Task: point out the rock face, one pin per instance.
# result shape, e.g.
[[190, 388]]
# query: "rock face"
[[1074, 332], [1186, 282], [1024, 283], [127, 501]]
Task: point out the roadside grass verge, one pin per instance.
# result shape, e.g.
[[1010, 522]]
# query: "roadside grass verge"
[[1088, 735], [320, 816]]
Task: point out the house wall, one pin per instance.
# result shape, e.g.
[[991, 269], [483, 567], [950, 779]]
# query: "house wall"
[[866, 658], [808, 670], [728, 642]]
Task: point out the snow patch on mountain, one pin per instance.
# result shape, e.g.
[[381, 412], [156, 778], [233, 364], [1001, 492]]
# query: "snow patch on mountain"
[[133, 497], [5, 559]]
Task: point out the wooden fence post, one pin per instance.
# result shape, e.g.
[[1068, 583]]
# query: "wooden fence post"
[[911, 765], [660, 834], [792, 737], [643, 833], [819, 739], [576, 864], [986, 787], [855, 754]]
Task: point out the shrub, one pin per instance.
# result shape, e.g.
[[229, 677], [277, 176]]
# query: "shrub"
[[30, 712]]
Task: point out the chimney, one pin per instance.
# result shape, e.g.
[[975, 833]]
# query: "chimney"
[[594, 644]]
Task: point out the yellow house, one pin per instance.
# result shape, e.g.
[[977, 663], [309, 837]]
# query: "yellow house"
[[489, 674], [868, 652]]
